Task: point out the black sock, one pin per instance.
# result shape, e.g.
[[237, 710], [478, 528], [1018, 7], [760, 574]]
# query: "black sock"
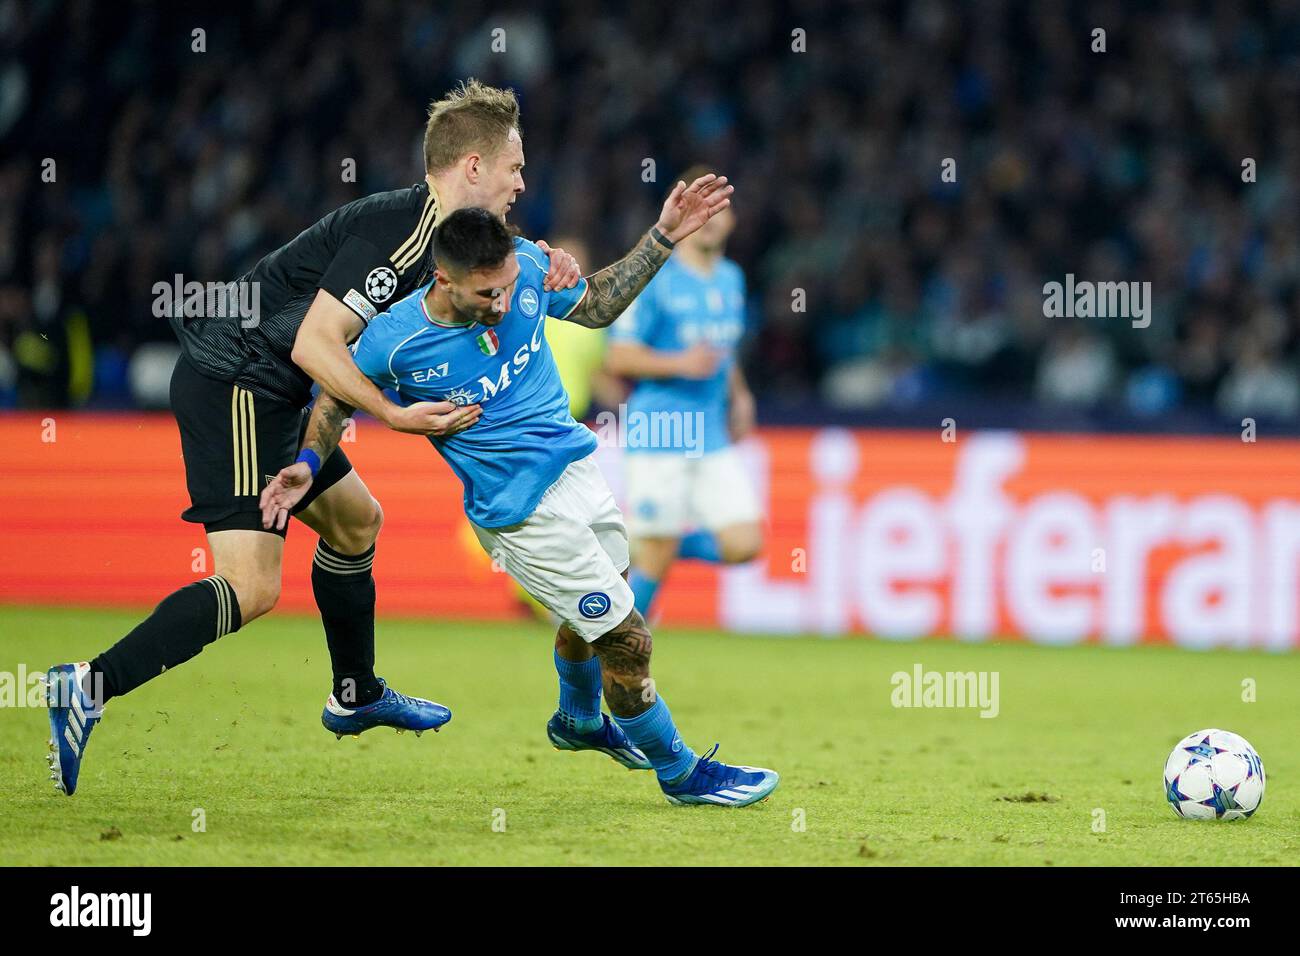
[[184, 623], [345, 595]]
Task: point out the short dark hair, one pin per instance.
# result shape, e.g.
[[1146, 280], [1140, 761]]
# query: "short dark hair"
[[470, 239]]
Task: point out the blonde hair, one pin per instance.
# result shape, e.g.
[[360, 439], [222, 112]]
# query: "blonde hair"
[[473, 117]]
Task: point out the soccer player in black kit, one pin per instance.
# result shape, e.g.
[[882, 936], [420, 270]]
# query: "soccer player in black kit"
[[239, 393]]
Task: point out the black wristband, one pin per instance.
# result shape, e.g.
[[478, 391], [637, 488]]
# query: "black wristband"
[[660, 238]]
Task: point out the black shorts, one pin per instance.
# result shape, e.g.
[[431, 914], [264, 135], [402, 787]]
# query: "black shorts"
[[234, 443]]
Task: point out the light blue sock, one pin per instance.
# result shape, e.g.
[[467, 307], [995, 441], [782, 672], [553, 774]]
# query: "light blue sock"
[[579, 694], [656, 736], [701, 546], [643, 591]]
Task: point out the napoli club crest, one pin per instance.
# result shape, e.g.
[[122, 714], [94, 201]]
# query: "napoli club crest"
[[529, 303], [594, 604]]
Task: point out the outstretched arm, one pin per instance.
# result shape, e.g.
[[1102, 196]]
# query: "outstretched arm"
[[324, 430], [321, 350], [611, 290]]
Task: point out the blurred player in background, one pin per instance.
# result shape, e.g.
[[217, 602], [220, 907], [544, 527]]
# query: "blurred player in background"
[[678, 343]]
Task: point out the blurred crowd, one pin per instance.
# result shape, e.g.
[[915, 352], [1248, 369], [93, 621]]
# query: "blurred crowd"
[[876, 281]]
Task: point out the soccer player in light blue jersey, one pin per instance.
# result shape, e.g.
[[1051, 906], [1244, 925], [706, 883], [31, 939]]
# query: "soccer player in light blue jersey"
[[537, 501], [689, 499]]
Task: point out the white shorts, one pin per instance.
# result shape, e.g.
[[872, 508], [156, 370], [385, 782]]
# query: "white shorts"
[[669, 494], [571, 552]]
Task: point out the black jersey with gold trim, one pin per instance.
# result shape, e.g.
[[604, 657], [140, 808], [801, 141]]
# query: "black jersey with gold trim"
[[367, 254]]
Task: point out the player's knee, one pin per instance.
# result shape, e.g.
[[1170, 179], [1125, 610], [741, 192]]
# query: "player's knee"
[[741, 543], [635, 626], [360, 530], [626, 649], [256, 595], [266, 598], [375, 520]]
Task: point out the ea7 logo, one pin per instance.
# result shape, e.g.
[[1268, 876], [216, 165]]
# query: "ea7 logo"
[[103, 909], [438, 371]]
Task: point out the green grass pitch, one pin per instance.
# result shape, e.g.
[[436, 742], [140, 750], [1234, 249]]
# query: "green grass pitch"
[[235, 736]]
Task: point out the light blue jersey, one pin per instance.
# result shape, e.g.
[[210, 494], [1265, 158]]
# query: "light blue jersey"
[[677, 309], [525, 437]]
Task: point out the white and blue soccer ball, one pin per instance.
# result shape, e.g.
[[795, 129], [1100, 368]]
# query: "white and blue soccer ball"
[[1214, 775]]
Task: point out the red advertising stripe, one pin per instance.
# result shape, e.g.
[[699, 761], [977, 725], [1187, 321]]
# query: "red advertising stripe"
[[1054, 538]]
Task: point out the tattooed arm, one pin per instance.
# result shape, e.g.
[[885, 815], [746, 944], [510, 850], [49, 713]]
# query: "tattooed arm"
[[325, 427], [287, 488], [611, 290]]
